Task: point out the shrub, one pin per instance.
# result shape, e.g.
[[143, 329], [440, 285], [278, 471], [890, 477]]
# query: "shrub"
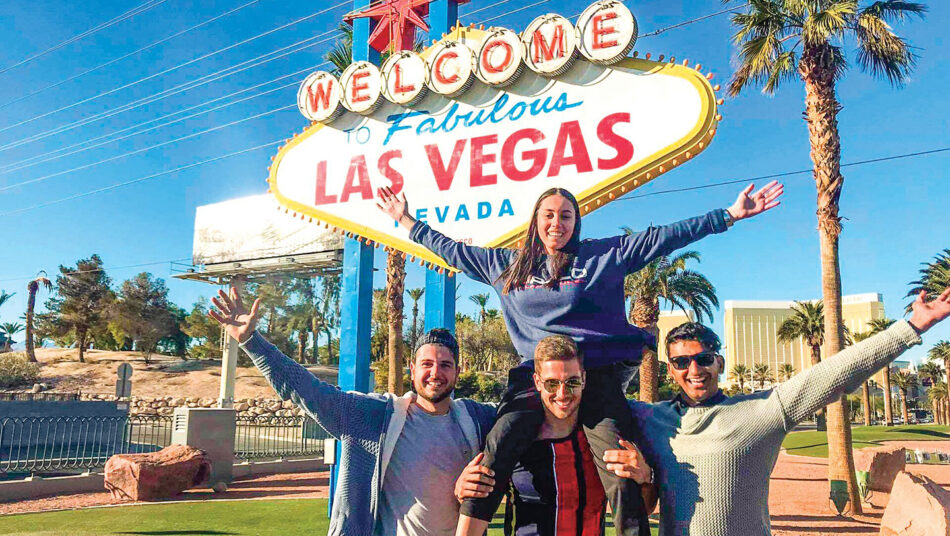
[[16, 370]]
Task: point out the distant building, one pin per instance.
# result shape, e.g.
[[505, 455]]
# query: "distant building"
[[750, 329], [667, 321]]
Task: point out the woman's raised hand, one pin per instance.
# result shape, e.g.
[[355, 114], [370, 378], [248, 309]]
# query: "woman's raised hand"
[[236, 321], [395, 206], [747, 205]]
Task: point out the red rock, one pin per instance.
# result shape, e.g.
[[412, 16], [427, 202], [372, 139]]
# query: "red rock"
[[918, 507], [883, 463], [156, 475]]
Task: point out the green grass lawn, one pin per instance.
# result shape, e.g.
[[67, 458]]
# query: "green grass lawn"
[[283, 517], [816, 443]]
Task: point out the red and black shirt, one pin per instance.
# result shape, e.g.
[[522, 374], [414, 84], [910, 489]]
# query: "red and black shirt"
[[555, 490]]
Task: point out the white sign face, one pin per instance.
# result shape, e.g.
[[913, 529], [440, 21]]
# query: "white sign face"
[[450, 68], [500, 59], [473, 169], [607, 31], [404, 78], [551, 42], [319, 97], [363, 87]]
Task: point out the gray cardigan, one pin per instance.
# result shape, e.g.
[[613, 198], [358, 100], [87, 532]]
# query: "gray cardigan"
[[367, 426], [713, 463]]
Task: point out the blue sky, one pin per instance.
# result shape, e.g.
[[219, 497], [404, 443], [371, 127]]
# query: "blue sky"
[[895, 211]]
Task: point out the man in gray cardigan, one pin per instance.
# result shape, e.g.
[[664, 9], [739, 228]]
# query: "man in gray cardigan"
[[400, 455], [713, 455]]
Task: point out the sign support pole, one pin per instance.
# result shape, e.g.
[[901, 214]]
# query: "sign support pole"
[[229, 361], [440, 288], [357, 281]]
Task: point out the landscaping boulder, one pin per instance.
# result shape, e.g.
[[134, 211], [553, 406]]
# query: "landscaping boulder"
[[156, 475], [882, 464], [918, 507]]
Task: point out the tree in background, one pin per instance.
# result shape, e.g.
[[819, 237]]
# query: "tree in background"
[[938, 400], [940, 353], [904, 380], [141, 310], [484, 346], [761, 372], [176, 342], [808, 323], [32, 288], [327, 317], [768, 35], [10, 329], [932, 372], [481, 300], [667, 278], [395, 289], [415, 329], [204, 332], [3, 299], [81, 303], [740, 373], [786, 371]]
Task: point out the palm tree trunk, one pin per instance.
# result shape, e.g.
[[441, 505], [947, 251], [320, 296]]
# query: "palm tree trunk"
[[866, 400], [821, 422], [81, 336], [888, 405], [903, 393], [302, 346], [645, 313], [395, 287], [821, 110], [415, 320], [30, 304]]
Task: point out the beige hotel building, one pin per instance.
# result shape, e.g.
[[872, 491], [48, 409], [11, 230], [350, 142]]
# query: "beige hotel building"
[[749, 334]]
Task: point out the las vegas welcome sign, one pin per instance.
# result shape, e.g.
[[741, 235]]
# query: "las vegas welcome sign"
[[476, 126]]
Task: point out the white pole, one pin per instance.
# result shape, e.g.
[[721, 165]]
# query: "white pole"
[[229, 360]]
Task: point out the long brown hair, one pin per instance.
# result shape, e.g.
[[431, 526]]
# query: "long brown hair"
[[527, 261]]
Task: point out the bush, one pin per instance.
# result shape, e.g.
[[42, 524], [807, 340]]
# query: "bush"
[[479, 386], [16, 370]]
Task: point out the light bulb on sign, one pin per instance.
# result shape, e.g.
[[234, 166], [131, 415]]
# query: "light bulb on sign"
[[551, 42], [319, 97], [450, 68], [362, 85], [405, 75], [500, 59], [608, 31]]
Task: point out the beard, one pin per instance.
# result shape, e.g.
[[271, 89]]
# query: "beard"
[[436, 397]]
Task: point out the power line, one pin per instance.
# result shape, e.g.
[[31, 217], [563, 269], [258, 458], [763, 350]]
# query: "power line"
[[144, 149], [134, 52], [691, 21], [512, 12], [127, 15], [489, 6], [140, 179], [785, 174], [103, 269], [174, 68], [228, 71], [137, 129]]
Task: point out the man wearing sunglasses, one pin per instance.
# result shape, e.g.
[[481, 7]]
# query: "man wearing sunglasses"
[[555, 487], [713, 454]]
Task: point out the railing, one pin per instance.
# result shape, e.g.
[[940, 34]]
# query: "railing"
[[46, 397], [278, 437]]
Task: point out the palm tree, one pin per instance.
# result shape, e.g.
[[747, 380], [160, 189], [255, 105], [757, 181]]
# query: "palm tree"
[[341, 55], [932, 371], [938, 399], [904, 380], [940, 353], [415, 294], [4, 297], [865, 387], [739, 373], [481, 300], [32, 287], [762, 373], [11, 329], [934, 277], [395, 288], [769, 35], [786, 371], [667, 278], [876, 326], [807, 322]]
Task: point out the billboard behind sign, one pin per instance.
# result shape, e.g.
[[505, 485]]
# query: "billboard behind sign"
[[249, 228]]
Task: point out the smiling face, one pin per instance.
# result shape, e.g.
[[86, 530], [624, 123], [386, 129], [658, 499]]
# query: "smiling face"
[[555, 220], [698, 383], [563, 403], [433, 372]]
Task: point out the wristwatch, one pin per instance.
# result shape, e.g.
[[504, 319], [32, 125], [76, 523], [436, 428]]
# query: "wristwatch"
[[728, 218]]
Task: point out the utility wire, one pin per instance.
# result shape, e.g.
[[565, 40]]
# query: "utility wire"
[[512, 12], [137, 129], [127, 15], [140, 179], [174, 68], [103, 269], [228, 71], [145, 149], [489, 6], [691, 21], [134, 52], [785, 174]]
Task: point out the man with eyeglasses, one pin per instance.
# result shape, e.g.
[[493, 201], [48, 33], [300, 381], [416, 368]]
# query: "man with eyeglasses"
[[555, 487], [713, 454]]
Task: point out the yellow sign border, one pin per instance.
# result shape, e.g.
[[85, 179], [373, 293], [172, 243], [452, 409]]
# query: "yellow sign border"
[[618, 184]]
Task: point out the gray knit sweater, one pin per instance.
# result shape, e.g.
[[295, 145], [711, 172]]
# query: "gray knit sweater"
[[713, 463]]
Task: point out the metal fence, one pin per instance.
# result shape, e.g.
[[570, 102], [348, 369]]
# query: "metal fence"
[[68, 444], [277, 437], [20, 396]]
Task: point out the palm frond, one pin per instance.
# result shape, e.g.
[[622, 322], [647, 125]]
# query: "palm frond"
[[822, 25], [894, 11], [881, 52]]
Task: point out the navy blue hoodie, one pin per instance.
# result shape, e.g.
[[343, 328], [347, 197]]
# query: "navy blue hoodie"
[[588, 304]]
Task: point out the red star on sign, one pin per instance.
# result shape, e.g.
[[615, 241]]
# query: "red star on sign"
[[396, 22]]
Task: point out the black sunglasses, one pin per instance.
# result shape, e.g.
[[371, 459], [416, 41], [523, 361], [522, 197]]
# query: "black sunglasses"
[[703, 359]]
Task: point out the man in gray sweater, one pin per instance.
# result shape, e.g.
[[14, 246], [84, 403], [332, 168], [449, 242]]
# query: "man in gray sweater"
[[713, 455]]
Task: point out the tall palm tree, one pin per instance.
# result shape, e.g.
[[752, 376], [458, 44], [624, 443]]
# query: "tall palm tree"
[[481, 300], [940, 353], [938, 400], [934, 277], [667, 278], [876, 326], [4, 297], [395, 288], [11, 329], [341, 55], [779, 39], [865, 386], [807, 322], [739, 373], [786, 371], [904, 380], [415, 294], [761, 372], [32, 287], [932, 371]]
